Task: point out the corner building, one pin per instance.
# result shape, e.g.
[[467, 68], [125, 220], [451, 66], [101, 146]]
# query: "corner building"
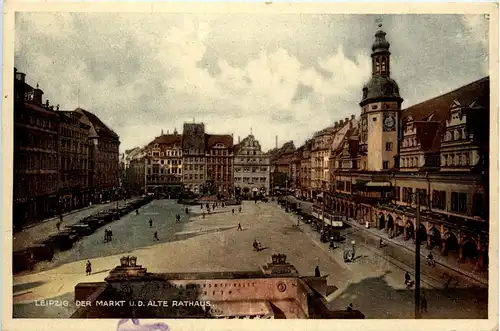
[[438, 148]]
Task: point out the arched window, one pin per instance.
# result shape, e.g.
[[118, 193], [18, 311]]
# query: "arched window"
[[443, 160], [450, 160], [457, 135], [377, 65]]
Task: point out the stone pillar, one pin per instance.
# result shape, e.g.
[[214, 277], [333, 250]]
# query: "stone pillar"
[[405, 231], [460, 252]]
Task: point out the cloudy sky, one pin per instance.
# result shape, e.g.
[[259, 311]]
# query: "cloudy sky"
[[279, 74]]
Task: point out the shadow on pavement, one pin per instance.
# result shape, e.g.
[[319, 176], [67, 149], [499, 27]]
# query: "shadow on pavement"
[[26, 286], [377, 299]]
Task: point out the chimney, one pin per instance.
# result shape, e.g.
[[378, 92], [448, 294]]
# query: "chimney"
[[346, 119], [162, 132], [336, 123], [57, 107], [168, 132], [47, 103], [353, 117], [341, 122], [239, 140], [276, 141]]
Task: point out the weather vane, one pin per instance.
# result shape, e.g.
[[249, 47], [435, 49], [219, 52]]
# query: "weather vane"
[[379, 21]]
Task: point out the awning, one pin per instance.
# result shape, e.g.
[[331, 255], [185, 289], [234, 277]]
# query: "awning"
[[319, 195], [378, 184]]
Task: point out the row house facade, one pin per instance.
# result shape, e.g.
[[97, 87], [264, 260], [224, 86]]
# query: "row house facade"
[[437, 148], [35, 168], [281, 160], [220, 164], [74, 161], [56, 156], [251, 168], [195, 168], [164, 164], [104, 176]]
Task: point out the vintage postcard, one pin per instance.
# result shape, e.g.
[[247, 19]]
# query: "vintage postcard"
[[225, 166]]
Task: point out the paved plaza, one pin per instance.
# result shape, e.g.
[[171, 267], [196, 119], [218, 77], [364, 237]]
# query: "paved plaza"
[[374, 284]]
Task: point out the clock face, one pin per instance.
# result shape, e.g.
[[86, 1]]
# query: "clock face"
[[389, 121]]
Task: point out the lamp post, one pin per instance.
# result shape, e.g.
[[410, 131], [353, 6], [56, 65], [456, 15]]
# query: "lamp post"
[[416, 196]]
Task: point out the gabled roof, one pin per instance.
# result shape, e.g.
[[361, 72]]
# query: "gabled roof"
[[429, 135], [439, 107], [168, 139], [213, 139], [98, 125]]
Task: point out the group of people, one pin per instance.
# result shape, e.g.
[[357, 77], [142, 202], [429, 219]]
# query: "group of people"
[[108, 235]]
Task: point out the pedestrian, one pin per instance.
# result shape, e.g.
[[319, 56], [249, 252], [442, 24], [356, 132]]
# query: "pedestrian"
[[201, 206], [58, 225], [239, 209], [110, 234], [88, 268], [407, 278], [316, 272], [350, 307], [105, 235], [150, 222], [298, 220], [155, 235], [187, 211], [137, 212], [233, 210], [203, 214], [423, 303], [239, 227]]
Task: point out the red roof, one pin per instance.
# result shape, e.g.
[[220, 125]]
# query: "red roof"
[[168, 139], [439, 106]]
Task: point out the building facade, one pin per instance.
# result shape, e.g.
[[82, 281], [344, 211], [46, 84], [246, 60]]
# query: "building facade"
[[74, 161], [195, 168], [251, 169], [105, 157], [36, 173], [276, 291], [437, 148], [163, 164], [220, 166]]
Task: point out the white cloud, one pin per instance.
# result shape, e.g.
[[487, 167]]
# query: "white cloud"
[[142, 74]]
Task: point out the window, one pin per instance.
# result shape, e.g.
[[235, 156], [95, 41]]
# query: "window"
[[385, 165], [348, 186], [407, 194], [477, 205], [439, 199], [388, 146], [459, 202], [422, 196], [397, 193]]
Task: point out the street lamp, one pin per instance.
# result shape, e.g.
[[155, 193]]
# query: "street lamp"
[[416, 196]]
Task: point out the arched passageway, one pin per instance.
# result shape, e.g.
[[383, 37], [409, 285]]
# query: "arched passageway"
[[450, 243], [381, 221], [469, 249], [390, 222], [410, 230], [434, 238]]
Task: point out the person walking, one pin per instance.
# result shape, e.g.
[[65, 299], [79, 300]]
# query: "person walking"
[[58, 225], [105, 235], [233, 210], [239, 227], [110, 235], [407, 278], [316, 272], [150, 222], [155, 236], [88, 268], [239, 209], [187, 211], [137, 212], [203, 215], [423, 303]]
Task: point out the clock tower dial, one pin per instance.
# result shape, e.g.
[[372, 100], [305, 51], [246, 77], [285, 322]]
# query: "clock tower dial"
[[389, 122]]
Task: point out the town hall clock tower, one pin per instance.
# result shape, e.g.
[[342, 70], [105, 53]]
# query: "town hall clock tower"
[[380, 112]]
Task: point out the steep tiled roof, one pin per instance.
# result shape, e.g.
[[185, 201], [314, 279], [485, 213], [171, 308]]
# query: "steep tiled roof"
[[168, 139], [439, 106], [213, 139], [99, 126]]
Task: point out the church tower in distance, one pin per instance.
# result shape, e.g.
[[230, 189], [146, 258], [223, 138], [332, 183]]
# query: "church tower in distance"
[[380, 112]]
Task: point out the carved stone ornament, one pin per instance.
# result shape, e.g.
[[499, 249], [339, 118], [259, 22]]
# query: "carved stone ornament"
[[281, 287]]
